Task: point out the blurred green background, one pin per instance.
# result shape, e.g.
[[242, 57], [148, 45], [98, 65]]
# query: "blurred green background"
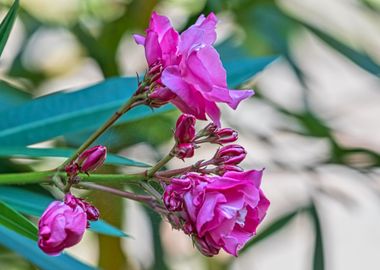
[[313, 124]]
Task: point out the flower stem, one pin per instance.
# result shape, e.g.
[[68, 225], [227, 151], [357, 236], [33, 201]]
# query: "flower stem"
[[150, 173], [47, 177], [131, 103], [122, 193]]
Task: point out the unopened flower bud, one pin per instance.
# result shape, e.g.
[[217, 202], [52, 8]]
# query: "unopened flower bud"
[[184, 150], [160, 96], [231, 154], [185, 128], [61, 226], [92, 158], [225, 135], [72, 170], [222, 169], [206, 247]]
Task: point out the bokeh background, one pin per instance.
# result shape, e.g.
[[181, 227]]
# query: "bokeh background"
[[314, 123]]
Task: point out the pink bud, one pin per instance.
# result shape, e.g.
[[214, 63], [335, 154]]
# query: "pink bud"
[[206, 247], [230, 154], [91, 211], [185, 150], [160, 96], [92, 158], [222, 169], [61, 226], [72, 169], [225, 135], [185, 128]]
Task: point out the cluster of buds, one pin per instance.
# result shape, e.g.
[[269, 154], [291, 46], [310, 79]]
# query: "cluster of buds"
[[63, 224], [88, 161]]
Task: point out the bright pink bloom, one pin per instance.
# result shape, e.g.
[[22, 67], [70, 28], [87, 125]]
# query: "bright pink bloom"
[[61, 226], [92, 158], [231, 154], [191, 67], [219, 211], [185, 128]]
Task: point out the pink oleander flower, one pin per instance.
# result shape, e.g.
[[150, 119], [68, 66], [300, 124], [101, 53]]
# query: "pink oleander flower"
[[218, 211], [190, 67], [184, 150], [231, 154], [61, 226], [92, 158]]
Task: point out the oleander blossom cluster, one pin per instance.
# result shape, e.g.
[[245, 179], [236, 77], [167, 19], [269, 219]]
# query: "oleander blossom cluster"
[[219, 205], [186, 69], [215, 202]]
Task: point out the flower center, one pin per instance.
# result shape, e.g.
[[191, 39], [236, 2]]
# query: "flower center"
[[241, 214]]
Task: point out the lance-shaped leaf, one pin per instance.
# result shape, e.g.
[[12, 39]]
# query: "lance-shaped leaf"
[[29, 249], [64, 153], [7, 24], [14, 221]]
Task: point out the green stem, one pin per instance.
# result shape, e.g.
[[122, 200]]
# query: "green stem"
[[131, 103], [47, 176], [160, 164], [122, 193]]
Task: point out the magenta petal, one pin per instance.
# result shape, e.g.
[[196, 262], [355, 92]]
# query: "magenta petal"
[[252, 175], [152, 48], [203, 32], [139, 39], [206, 213], [213, 111], [188, 100], [239, 95], [159, 24]]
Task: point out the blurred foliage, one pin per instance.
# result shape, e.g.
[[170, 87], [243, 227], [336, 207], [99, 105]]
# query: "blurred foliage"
[[99, 27]]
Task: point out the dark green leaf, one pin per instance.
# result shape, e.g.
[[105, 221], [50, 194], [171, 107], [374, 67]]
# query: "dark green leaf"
[[62, 152], [62, 113], [34, 204], [318, 259], [359, 58], [29, 249], [7, 24], [14, 221]]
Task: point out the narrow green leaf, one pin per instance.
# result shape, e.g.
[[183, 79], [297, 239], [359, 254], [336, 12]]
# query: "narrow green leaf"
[[34, 204], [65, 113], [318, 258], [63, 152], [7, 24], [29, 250], [13, 220], [359, 58], [272, 228]]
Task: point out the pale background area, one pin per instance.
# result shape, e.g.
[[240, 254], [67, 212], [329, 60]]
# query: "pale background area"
[[342, 94]]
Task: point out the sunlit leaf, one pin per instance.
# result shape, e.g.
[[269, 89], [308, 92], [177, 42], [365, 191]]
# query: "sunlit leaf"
[[29, 249], [14, 221]]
